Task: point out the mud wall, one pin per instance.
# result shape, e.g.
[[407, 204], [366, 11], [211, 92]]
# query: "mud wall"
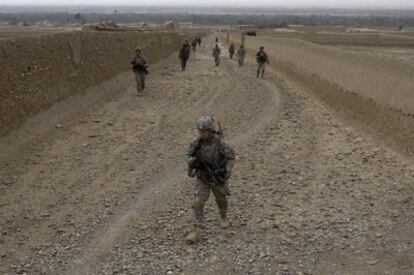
[[38, 71], [387, 82]]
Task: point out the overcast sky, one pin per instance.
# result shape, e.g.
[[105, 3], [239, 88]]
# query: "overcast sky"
[[392, 4]]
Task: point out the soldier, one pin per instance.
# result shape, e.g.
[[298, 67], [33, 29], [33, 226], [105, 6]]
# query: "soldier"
[[262, 59], [187, 45], [183, 56], [241, 54], [199, 41], [194, 45], [216, 54], [211, 161], [231, 51], [139, 66]]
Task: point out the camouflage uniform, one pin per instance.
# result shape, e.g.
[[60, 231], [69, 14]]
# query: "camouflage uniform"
[[184, 54], [217, 152], [140, 69], [188, 47], [241, 53], [216, 55], [262, 59], [231, 51]]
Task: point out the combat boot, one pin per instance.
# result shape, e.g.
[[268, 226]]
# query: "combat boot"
[[195, 235], [224, 223]]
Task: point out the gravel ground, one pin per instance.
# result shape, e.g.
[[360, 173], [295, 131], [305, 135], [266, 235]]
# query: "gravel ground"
[[106, 192]]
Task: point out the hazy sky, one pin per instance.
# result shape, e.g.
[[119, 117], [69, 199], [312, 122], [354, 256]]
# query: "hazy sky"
[[393, 4]]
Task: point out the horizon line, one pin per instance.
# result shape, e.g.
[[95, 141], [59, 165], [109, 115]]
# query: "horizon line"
[[324, 7]]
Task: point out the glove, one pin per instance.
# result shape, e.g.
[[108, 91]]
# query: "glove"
[[191, 173]]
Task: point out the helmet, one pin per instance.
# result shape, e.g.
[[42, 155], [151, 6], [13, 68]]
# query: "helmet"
[[205, 123], [261, 48], [138, 49]]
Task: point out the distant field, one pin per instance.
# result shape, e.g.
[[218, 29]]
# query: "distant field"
[[404, 55]]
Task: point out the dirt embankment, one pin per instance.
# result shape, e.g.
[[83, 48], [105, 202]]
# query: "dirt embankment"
[[373, 90], [38, 71]]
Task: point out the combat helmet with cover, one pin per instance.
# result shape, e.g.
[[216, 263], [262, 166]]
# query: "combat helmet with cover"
[[208, 123], [205, 123]]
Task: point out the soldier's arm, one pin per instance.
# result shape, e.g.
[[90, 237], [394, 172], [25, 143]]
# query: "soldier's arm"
[[230, 156], [144, 61], [190, 156]]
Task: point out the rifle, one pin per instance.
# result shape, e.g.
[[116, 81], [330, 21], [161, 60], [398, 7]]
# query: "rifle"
[[141, 68], [216, 174]]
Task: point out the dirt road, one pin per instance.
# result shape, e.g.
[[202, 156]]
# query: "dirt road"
[[102, 189]]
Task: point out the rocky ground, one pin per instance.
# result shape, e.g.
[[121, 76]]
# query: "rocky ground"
[[106, 192]]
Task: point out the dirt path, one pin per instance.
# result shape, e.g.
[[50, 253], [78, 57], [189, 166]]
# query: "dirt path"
[[107, 192]]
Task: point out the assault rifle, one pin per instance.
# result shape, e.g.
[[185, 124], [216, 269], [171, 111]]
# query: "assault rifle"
[[215, 173], [139, 67]]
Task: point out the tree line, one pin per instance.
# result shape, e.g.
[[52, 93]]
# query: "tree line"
[[265, 20]]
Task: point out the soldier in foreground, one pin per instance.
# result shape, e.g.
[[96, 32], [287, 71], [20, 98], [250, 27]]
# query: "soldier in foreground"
[[211, 161], [139, 67], [241, 54], [216, 55], [231, 51], [262, 59], [183, 56]]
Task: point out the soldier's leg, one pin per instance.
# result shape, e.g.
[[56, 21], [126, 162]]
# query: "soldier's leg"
[[201, 194], [221, 200], [259, 65], [142, 81], [263, 69], [182, 64], [139, 84]]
